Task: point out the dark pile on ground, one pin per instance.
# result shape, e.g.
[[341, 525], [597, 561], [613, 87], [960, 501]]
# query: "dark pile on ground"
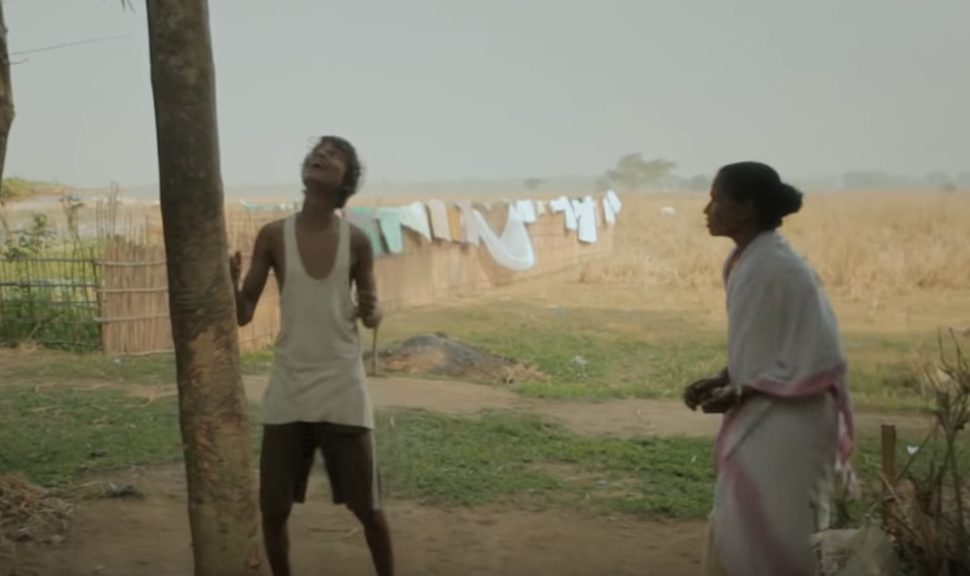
[[30, 513], [439, 355]]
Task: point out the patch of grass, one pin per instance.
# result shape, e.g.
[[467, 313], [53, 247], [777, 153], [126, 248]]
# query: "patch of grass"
[[509, 456], [600, 354], [587, 354], [55, 434], [53, 367], [587, 366]]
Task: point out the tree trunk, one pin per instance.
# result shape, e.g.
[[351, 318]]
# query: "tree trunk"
[[6, 93], [213, 410]]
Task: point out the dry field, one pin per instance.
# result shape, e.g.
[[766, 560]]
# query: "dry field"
[[595, 469], [867, 246], [896, 262]]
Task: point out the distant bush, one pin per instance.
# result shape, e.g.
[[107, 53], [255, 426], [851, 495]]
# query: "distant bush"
[[15, 188]]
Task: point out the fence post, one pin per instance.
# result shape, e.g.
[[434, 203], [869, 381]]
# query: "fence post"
[[888, 449]]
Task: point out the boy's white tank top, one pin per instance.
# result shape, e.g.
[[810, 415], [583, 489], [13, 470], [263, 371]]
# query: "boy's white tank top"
[[318, 373]]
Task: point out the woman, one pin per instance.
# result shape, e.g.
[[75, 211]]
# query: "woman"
[[787, 413]]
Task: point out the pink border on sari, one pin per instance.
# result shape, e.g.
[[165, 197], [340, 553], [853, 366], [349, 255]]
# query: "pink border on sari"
[[744, 488]]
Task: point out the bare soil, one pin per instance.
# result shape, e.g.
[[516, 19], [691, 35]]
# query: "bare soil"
[[151, 535], [622, 417]]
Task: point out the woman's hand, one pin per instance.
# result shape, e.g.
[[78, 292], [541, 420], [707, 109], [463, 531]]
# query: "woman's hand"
[[722, 400], [700, 392]]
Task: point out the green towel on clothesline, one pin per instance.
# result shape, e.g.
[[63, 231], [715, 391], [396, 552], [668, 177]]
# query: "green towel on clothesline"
[[389, 222], [365, 219]]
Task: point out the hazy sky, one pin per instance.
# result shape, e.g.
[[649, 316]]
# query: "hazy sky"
[[433, 89]]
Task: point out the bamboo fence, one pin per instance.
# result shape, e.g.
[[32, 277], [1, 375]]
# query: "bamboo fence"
[[119, 299]]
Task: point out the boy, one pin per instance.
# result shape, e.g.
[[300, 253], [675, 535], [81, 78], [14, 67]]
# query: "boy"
[[317, 396]]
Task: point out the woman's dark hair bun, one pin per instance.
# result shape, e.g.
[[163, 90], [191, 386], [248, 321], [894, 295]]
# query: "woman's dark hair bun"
[[789, 200], [759, 183]]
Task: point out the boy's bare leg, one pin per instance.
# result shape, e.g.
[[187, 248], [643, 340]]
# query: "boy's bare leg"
[[276, 539], [378, 534]]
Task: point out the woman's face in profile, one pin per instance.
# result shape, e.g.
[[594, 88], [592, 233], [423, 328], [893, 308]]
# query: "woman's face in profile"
[[726, 216]]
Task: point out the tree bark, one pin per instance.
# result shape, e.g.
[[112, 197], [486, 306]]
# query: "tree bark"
[[213, 411], [6, 93]]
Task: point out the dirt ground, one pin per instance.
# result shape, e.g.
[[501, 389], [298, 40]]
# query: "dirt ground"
[[125, 537]]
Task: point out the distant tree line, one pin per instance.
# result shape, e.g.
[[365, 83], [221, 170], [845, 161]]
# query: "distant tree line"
[[879, 180], [633, 173]]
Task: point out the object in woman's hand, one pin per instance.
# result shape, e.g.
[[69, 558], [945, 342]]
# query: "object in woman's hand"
[[720, 401], [701, 391]]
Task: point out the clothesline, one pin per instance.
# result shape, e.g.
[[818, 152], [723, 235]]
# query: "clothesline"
[[466, 222]]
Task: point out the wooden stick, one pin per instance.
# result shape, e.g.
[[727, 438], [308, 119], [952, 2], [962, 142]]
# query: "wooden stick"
[[373, 353]]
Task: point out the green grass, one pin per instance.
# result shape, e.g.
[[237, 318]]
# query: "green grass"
[[57, 435], [504, 456], [640, 354], [626, 354], [60, 368]]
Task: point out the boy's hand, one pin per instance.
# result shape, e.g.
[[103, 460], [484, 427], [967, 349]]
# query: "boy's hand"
[[235, 269], [367, 309], [371, 318]]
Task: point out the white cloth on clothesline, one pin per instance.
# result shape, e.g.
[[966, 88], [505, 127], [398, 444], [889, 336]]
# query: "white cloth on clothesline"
[[526, 210], [439, 220], [414, 216], [562, 204], [469, 224], [513, 249], [586, 215], [614, 201]]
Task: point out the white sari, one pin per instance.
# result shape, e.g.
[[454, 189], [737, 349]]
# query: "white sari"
[[775, 449]]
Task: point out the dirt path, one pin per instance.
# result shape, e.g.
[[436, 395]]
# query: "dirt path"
[[626, 416], [151, 536]]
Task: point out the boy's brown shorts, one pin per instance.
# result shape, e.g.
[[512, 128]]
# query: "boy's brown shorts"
[[287, 457]]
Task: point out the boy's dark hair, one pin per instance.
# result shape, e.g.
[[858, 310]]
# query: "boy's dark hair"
[[355, 171]]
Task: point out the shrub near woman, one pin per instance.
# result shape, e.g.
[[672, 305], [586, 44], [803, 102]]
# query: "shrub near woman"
[[787, 412]]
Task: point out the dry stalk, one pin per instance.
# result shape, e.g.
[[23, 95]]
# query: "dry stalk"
[[932, 508]]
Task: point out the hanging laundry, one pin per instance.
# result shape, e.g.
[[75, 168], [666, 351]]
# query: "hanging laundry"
[[389, 221], [540, 208], [513, 249], [526, 210], [614, 201], [608, 214], [414, 216], [468, 222], [586, 214], [282, 207], [562, 204], [454, 222], [439, 220], [363, 217], [577, 204], [495, 213]]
